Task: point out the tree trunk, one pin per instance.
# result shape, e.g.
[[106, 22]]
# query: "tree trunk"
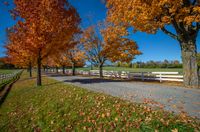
[[190, 68], [101, 71], [30, 69], [56, 69], [63, 69], [39, 79], [44, 69], [73, 69], [91, 68]]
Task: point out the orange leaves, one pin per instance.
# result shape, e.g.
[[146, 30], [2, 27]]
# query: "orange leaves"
[[119, 47], [47, 26], [166, 19], [148, 16], [107, 42], [48, 21]]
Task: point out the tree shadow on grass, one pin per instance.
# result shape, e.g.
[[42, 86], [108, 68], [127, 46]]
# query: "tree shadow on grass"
[[6, 92]]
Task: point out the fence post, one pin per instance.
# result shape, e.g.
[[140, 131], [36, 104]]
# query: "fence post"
[[1, 78], [129, 76], [142, 76], [160, 77]]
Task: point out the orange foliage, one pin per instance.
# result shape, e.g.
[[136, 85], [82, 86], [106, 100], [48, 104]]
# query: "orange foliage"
[[150, 15], [106, 42], [46, 27], [49, 24]]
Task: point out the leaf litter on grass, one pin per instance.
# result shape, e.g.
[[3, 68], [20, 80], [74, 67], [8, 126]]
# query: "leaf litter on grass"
[[62, 107]]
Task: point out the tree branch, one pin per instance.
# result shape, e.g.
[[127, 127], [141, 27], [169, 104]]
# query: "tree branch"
[[193, 3], [198, 26], [169, 33]]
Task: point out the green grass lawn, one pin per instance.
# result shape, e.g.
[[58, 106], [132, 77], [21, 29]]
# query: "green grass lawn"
[[6, 71], [137, 69], [60, 107]]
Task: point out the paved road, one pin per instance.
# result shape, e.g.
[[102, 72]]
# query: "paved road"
[[170, 98]]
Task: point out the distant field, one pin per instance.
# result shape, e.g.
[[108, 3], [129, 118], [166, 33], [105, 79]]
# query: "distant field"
[[136, 69], [4, 71]]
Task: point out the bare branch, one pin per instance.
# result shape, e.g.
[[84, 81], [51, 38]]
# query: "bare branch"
[[194, 2], [169, 33], [198, 26]]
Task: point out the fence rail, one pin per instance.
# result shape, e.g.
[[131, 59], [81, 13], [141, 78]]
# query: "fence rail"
[[7, 77], [157, 76]]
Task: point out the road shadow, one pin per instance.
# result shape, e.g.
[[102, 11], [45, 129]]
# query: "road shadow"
[[111, 79], [55, 75], [93, 80]]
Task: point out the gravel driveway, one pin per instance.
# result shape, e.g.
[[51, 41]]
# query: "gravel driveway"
[[170, 98]]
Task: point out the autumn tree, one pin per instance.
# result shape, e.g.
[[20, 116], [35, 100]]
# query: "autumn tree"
[[151, 15], [17, 53], [75, 57], [19, 58], [58, 60], [49, 24], [102, 43]]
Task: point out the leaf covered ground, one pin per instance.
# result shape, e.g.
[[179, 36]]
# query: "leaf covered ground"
[[59, 107]]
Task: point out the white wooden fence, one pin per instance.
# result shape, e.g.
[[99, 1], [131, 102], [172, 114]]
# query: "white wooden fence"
[[159, 76], [7, 77]]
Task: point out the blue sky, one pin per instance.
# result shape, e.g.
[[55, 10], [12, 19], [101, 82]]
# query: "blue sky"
[[154, 47]]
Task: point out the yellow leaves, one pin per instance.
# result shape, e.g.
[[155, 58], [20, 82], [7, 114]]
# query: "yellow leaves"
[[47, 25], [149, 16], [166, 19], [156, 130], [189, 19], [108, 114], [196, 9], [174, 130], [52, 122], [81, 113], [102, 115]]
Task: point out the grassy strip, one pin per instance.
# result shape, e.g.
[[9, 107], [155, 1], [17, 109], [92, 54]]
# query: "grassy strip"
[[60, 107], [5, 71]]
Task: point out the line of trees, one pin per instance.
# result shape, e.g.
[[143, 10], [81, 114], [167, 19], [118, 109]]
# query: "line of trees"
[[45, 33], [151, 64], [48, 34], [104, 42], [4, 65]]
